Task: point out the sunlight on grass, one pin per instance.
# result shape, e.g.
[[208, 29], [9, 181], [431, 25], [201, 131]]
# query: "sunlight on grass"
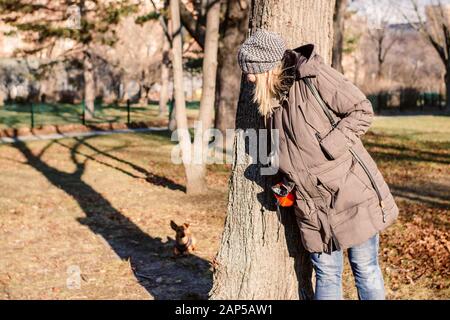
[[420, 128]]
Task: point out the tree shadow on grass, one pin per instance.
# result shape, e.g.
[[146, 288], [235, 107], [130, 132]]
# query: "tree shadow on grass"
[[403, 153], [149, 176], [150, 258], [433, 194]]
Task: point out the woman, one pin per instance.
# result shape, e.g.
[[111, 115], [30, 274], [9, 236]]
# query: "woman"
[[342, 201]]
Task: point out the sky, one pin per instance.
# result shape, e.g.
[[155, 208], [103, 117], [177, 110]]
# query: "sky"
[[393, 11]]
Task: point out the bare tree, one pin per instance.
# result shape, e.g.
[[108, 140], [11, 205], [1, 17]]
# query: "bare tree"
[[208, 88], [84, 23], [437, 31], [165, 66], [232, 33], [165, 75], [378, 32], [261, 257], [195, 170]]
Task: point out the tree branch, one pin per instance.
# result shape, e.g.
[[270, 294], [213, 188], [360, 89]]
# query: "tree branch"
[[191, 24]]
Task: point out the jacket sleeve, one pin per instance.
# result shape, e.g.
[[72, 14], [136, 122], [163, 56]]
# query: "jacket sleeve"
[[349, 103]]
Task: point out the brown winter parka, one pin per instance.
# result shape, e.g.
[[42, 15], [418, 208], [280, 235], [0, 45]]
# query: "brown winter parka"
[[341, 197]]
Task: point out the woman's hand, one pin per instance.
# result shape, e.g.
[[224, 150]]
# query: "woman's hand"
[[347, 101]]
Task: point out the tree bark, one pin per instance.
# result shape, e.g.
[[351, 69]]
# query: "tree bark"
[[89, 85], [338, 26], [261, 257], [234, 29]]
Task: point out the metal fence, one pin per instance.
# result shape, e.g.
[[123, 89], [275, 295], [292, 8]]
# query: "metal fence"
[[28, 114], [407, 99]]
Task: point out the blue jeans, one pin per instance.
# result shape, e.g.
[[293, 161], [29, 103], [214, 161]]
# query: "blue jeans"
[[364, 263]]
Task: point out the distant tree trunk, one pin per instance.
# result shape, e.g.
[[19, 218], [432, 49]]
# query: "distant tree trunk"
[[234, 29], [89, 85], [165, 69], [2, 98], [253, 262], [447, 85], [338, 26], [172, 119], [195, 172], [180, 103], [380, 57], [208, 92]]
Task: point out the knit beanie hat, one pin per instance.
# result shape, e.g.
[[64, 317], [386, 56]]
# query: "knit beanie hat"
[[261, 51]]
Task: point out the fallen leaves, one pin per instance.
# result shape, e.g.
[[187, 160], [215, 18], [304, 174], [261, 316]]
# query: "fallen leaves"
[[417, 248]]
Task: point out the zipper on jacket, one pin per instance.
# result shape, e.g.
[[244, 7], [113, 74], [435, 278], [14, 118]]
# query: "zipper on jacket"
[[319, 99], [319, 139], [333, 123], [309, 176], [372, 180]]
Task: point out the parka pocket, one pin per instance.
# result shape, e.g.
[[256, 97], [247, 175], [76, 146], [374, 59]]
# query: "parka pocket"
[[302, 208], [306, 214], [348, 191], [342, 186], [332, 174]]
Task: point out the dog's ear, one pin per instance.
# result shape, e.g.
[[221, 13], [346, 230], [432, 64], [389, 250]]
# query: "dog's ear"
[[173, 225], [186, 225]]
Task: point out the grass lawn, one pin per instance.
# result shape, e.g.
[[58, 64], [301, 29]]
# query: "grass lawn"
[[90, 204], [17, 115]]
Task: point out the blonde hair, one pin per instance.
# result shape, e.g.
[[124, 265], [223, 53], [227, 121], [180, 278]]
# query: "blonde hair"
[[268, 86]]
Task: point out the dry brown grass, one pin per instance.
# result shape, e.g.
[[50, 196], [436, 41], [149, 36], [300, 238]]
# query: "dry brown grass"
[[95, 203], [104, 204]]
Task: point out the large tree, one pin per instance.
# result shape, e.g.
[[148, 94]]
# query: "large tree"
[[261, 257], [78, 24]]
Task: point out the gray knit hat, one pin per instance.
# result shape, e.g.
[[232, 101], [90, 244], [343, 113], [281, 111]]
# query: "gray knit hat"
[[261, 51]]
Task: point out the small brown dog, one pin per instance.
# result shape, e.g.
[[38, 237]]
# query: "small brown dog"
[[184, 240]]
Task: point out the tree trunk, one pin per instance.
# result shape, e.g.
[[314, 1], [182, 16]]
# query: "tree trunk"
[[194, 167], [338, 26], [261, 257], [447, 88], [172, 119], [165, 69], [208, 93], [89, 85], [228, 79], [380, 55], [180, 103]]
